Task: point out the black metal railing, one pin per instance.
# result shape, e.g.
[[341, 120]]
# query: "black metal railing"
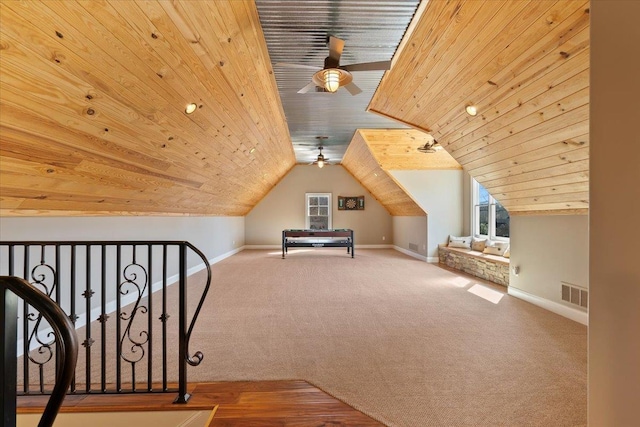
[[66, 347], [119, 297]]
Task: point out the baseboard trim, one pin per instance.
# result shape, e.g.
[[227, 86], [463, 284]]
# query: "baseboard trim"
[[433, 259], [280, 247], [568, 312], [374, 246], [225, 255], [411, 254], [262, 247]]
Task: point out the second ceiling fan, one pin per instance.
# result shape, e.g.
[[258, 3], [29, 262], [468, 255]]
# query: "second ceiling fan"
[[333, 75]]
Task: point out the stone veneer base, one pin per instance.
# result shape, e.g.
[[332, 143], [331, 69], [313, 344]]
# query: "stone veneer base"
[[477, 264]]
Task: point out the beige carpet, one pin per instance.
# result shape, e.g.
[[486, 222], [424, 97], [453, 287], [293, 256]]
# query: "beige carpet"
[[397, 338]]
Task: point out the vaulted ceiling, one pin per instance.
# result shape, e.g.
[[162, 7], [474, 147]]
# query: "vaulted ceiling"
[[93, 97], [525, 66], [92, 108]]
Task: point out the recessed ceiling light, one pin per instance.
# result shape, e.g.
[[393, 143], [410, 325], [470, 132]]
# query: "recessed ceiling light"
[[471, 110], [190, 108]]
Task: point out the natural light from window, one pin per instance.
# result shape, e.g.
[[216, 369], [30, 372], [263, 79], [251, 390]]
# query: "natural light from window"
[[460, 282], [486, 293]]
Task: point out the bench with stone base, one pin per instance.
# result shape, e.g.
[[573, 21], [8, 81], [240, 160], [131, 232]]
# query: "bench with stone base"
[[493, 268]]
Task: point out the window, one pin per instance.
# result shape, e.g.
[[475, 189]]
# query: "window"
[[490, 218], [318, 211]]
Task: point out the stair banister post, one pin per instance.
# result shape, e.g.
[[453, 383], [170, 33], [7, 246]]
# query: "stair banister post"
[[183, 396], [8, 356]]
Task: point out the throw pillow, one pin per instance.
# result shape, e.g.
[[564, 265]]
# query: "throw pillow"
[[478, 244], [460, 242], [495, 248]]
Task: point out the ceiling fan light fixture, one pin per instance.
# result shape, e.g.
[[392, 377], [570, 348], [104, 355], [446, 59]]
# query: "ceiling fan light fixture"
[[320, 160], [331, 79], [471, 110]]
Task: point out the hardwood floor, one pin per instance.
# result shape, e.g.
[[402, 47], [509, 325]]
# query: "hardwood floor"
[[243, 403]]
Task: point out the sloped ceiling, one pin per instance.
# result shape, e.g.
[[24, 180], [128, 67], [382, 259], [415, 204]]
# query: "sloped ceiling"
[[92, 98], [92, 108], [360, 162], [397, 149], [525, 65]]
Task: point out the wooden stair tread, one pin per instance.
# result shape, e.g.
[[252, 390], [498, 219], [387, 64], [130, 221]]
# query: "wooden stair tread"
[[246, 403]]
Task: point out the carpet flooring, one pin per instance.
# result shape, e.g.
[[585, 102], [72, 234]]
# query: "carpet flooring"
[[399, 339], [406, 342]]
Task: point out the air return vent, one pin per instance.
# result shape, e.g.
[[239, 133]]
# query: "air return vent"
[[413, 247], [575, 295]]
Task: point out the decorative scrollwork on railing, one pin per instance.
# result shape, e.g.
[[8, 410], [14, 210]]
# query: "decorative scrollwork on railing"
[[44, 278], [133, 284], [133, 331]]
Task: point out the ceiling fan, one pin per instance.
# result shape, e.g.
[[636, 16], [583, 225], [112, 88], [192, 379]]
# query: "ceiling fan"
[[321, 160], [430, 147], [333, 75]]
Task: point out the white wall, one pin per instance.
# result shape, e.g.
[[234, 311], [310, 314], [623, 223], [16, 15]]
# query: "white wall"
[[284, 207], [440, 194], [549, 249], [614, 275], [214, 236], [410, 234]]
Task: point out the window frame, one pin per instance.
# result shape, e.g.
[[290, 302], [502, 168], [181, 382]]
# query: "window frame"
[[329, 209], [475, 214]]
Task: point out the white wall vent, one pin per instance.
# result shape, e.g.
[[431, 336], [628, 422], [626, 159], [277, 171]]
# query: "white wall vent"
[[575, 295]]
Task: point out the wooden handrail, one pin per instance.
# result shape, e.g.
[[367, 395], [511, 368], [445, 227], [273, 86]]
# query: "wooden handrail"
[[66, 341]]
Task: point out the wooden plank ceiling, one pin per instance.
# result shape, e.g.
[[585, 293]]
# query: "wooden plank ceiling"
[[397, 149], [92, 108], [360, 162], [525, 66]]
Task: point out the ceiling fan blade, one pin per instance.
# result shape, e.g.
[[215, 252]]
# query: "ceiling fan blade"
[[335, 47], [307, 88], [367, 66], [288, 65], [353, 89]]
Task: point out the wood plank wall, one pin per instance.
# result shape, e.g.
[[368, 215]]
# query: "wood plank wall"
[[92, 116], [525, 65]]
